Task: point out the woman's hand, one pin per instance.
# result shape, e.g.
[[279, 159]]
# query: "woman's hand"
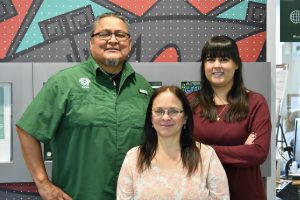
[[250, 138]]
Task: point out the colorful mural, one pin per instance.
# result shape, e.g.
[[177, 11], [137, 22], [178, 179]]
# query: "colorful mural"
[[162, 31]]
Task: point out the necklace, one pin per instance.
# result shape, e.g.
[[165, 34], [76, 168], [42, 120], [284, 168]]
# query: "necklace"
[[224, 104], [219, 114]]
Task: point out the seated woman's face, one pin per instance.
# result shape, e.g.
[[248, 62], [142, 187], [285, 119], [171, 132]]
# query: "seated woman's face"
[[168, 116]]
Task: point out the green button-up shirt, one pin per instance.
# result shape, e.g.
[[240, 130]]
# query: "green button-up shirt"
[[89, 125]]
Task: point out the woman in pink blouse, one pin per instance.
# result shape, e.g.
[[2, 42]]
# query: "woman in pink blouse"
[[232, 119], [170, 164]]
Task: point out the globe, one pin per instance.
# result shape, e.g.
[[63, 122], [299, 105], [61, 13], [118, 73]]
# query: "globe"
[[295, 16]]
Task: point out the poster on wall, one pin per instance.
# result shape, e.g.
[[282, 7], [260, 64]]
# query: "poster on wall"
[[290, 21], [190, 86]]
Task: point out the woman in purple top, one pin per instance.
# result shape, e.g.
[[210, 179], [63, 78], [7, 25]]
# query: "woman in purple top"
[[232, 119]]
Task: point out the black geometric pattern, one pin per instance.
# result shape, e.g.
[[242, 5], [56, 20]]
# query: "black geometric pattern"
[[68, 23], [7, 10], [256, 13]]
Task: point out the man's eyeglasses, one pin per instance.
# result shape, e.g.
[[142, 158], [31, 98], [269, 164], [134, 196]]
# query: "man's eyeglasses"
[[120, 36], [172, 112]]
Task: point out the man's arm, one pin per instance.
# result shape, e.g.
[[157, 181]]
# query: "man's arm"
[[32, 153]]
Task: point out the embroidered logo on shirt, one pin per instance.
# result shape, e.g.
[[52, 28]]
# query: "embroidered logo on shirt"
[[85, 82]]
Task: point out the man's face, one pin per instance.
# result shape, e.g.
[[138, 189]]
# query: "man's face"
[[110, 52]]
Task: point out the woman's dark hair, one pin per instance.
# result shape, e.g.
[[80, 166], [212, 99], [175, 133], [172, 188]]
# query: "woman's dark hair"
[[190, 153], [222, 47]]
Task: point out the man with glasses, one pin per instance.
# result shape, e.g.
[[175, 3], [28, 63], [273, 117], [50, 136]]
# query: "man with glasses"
[[91, 114]]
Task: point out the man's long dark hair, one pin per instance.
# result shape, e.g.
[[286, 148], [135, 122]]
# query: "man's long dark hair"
[[190, 153], [222, 47]]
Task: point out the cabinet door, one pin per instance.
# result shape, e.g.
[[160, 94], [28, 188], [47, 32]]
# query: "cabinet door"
[[15, 95]]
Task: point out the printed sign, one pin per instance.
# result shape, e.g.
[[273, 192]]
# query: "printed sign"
[[290, 21], [190, 86]]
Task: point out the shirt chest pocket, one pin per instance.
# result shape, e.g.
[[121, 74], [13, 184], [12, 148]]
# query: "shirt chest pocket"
[[90, 109], [132, 112]]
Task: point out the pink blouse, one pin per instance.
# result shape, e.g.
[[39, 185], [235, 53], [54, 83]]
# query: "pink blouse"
[[155, 183]]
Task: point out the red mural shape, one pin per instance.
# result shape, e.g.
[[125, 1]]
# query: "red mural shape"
[[138, 7], [250, 47], [168, 55], [205, 6], [11, 26]]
